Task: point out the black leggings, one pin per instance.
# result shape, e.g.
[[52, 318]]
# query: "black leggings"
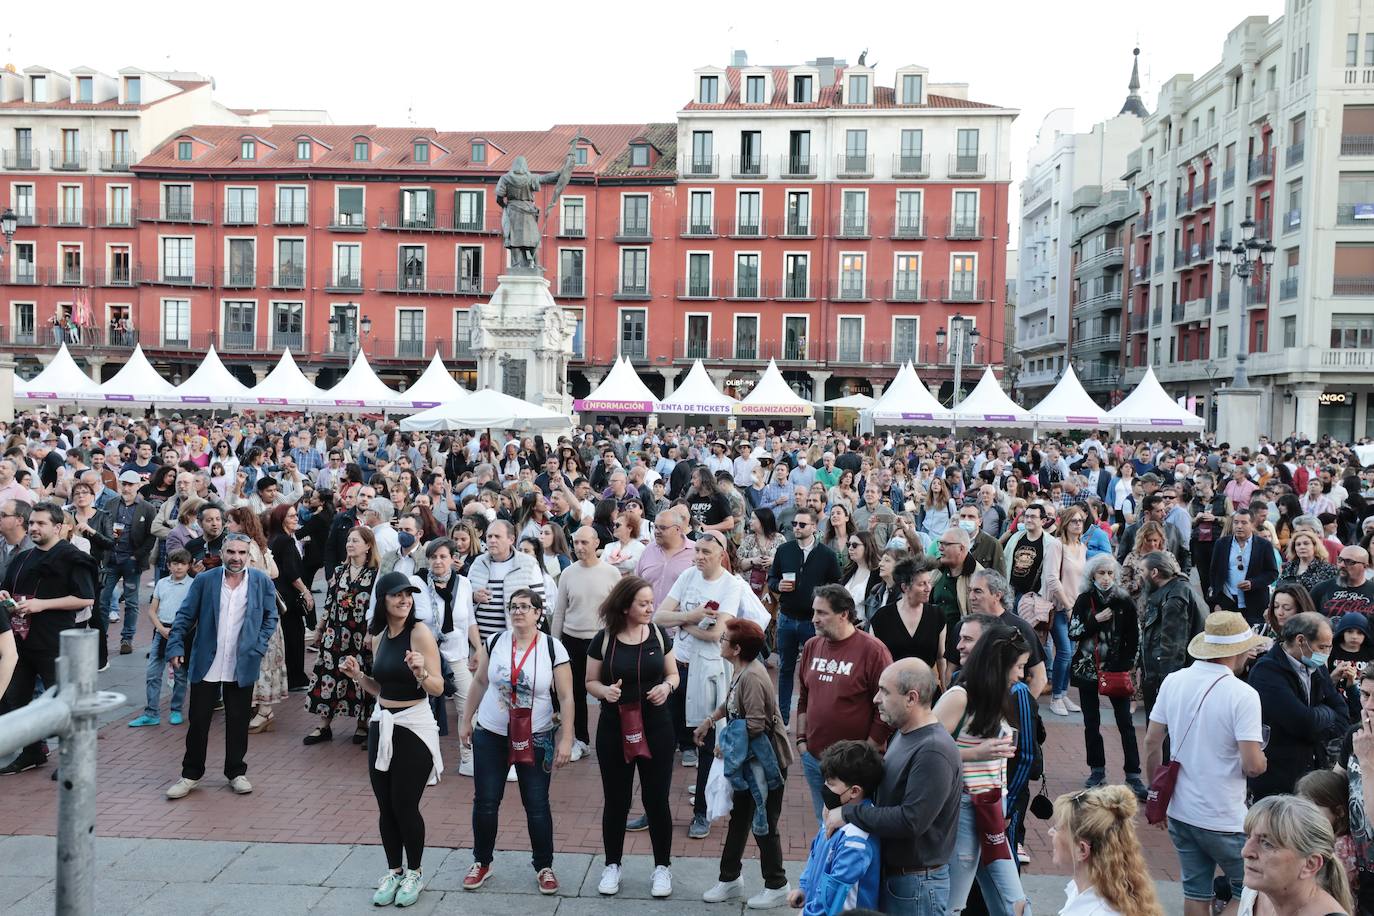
[[655, 781], [577, 657], [398, 792]]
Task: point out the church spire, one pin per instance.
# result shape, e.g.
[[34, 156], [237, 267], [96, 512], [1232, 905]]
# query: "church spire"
[[1133, 103]]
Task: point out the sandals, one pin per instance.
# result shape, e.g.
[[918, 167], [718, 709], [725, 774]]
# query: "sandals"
[[259, 724], [320, 734]]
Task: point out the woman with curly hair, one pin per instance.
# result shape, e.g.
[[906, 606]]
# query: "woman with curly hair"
[[1093, 832], [1149, 538], [1308, 563]]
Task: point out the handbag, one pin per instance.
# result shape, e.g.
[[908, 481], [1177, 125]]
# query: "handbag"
[[1034, 609], [520, 728], [632, 740], [1166, 777], [1112, 684], [990, 821]]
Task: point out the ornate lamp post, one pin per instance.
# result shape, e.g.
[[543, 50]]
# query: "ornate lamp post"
[[349, 326], [965, 337], [1250, 255]]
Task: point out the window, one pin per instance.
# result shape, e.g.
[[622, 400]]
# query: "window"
[[850, 339], [911, 152], [798, 213], [1352, 49], [362, 151], [632, 334], [799, 152], [133, 90], [288, 324], [749, 213], [1260, 343], [291, 205], [241, 205], [176, 202], [303, 150], [178, 259], [291, 263], [801, 89], [572, 220], [85, 89], [348, 266], [350, 207], [412, 261], [578, 319], [420, 151], [698, 337], [242, 263], [1223, 342], [1352, 332], [639, 155], [905, 339], [23, 203], [854, 215], [858, 89], [70, 212], [23, 148], [479, 151], [747, 276], [962, 273], [1369, 49], [708, 90], [699, 209], [634, 271], [71, 264], [911, 88], [746, 337], [470, 211], [852, 276], [580, 157], [38, 88], [796, 276], [634, 215], [571, 263], [470, 269], [184, 150], [176, 322], [1290, 332], [71, 149], [410, 333], [248, 149], [754, 87], [856, 150], [703, 162], [750, 152], [699, 275], [240, 324], [965, 214], [906, 284], [967, 150], [794, 337], [417, 208], [23, 270], [909, 221]]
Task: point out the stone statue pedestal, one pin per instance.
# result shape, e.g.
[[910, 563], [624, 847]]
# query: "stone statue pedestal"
[[1238, 416], [523, 342]]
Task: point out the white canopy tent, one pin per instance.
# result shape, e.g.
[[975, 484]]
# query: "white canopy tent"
[[360, 388], [61, 380], [1068, 406], [211, 383], [907, 402], [852, 401], [622, 391], [1149, 407], [137, 382], [773, 397], [988, 405], [487, 409], [697, 394], [434, 387], [287, 386]]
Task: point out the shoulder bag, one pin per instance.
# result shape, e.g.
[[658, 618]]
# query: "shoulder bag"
[[1166, 777]]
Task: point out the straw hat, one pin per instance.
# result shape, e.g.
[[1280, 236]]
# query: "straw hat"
[[1226, 634]]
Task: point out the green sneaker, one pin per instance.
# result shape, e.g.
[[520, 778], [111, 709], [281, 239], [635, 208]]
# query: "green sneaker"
[[386, 891], [410, 888]]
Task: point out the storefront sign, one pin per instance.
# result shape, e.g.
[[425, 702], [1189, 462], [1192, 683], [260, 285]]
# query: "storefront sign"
[[1335, 397]]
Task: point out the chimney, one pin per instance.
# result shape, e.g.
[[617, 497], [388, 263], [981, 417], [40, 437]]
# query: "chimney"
[[826, 66], [739, 58]]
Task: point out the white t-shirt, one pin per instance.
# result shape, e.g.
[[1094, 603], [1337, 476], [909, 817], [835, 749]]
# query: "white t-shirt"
[[536, 679], [1210, 792], [691, 591], [623, 557]]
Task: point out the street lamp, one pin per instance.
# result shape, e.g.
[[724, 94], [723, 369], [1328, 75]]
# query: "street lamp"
[[1248, 256], [8, 224], [960, 328], [344, 322]]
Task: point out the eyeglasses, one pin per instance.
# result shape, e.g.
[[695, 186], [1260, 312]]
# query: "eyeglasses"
[[801, 524], [1349, 561], [521, 607], [236, 536]]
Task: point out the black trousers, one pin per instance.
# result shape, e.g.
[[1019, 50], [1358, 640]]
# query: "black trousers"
[[1253, 616], [577, 658], [238, 706], [292, 622], [33, 664], [682, 734], [1202, 559], [617, 782], [770, 844], [1089, 698], [398, 792]]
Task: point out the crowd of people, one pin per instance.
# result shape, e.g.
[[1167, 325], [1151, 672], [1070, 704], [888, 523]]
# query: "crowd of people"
[[897, 615]]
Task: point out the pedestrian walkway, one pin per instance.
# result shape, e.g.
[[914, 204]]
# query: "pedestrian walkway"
[[173, 877]]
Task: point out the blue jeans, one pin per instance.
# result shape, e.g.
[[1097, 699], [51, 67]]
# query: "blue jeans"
[[1201, 853], [1063, 653], [916, 895], [999, 879], [127, 571], [792, 635], [811, 769], [489, 766], [157, 664]]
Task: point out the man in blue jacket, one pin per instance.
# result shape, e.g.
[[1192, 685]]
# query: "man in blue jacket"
[[1243, 569], [227, 619]]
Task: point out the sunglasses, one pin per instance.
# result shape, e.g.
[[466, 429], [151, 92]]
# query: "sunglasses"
[[801, 524]]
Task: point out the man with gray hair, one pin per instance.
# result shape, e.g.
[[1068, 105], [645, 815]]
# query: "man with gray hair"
[[988, 595], [1172, 617], [481, 476], [949, 593], [380, 511]]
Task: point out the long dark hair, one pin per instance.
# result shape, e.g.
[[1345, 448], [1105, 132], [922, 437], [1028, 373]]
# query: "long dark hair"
[[768, 522], [615, 610], [985, 680], [379, 618]]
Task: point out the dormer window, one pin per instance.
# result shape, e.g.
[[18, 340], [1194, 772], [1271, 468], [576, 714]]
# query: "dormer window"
[[479, 151], [420, 151], [801, 89], [38, 88], [858, 89], [708, 90], [133, 90], [754, 89], [361, 152], [85, 89], [639, 155], [184, 150], [303, 150], [580, 156], [248, 149], [912, 88]]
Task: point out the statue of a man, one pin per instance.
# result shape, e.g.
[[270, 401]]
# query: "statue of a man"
[[520, 215]]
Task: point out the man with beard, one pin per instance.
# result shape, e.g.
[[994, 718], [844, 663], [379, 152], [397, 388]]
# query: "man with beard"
[[205, 549], [1351, 590]]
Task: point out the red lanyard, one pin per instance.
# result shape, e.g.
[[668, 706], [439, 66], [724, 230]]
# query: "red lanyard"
[[516, 669]]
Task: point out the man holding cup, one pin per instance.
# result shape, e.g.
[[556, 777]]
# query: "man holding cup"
[[799, 567]]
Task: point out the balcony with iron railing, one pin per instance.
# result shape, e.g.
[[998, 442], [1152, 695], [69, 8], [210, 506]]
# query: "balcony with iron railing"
[[239, 278], [1228, 178], [1293, 155], [117, 160], [71, 160], [1292, 220], [344, 281], [795, 289], [20, 273], [699, 166], [964, 228], [1159, 262], [1224, 298], [855, 166], [1157, 315], [1288, 288], [749, 166], [68, 216], [151, 275], [1257, 294], [632, 289], [416, 283], [1161, 212], [570, 287], [851, 226], [799, 166], [572, 229], [115, 218], [849, 289], [913, 166], [348, 220], [1139, 323], [1352, 286], [48, 336], [907, 226], [968, 291], [1357, 144], [1097, 343], [967, 166], [700, 227], [240, 215], [1176, 313], [1260, 167], [793, 228], [701, 288], [172, 212], [288, 277], [1140, 274], [751, 228], [436, 221], [19, 159], [1109, 257], [116, 276], [906, 287], [1105, 301], [1355, 214], [633, 231]]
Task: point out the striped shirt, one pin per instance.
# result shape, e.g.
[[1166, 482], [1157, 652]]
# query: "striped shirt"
[[490, 615], [981, 775]]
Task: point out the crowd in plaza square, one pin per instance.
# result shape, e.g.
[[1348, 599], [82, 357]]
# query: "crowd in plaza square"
[[894, 614]]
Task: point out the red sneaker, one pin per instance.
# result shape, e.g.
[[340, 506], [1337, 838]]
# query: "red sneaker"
[[476, 876], [548, 883]]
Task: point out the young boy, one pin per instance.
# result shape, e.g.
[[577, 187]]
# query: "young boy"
[[168, 594], [844, 869]]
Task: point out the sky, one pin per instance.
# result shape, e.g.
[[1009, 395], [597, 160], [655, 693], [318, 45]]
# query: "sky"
[[509, 66]]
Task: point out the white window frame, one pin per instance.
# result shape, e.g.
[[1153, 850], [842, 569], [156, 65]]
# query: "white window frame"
[[109, 201], [272, 320], [734, 332], [224, 314], [309, 149], [920, 267], [963, 254], [921, 204], [162, 187], [740, 192], [863, 274], [396, 325], [767, 87], [648, 209], [400, 269], [686, 323], [14, 322], [33, 197], [248, 144], [710, 196], [782, 332], [348, 187], [257, 262], [849, 88], [559, 274], [916, 357], [305, 256], [840, 319], [162, 317], [868, 213], [810, 271], [901, 86], [620, 267], [810, 208], [65, 186], [257, 200], [481, 202], [977, 202], [734, 272], [276, 195], [12, 260], [109, 253], [334, 260], [710, 272], [563, 213], [620, 326], [792, 75]]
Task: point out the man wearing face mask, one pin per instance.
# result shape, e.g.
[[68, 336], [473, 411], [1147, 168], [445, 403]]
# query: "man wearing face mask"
[[985, 550], [1300, 705]]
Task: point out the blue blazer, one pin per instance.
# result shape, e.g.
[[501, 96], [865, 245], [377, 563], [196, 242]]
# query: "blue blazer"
[[1263, 572], [200, 612]]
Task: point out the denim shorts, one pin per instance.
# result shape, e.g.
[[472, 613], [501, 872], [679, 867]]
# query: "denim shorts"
[[1201, 852]]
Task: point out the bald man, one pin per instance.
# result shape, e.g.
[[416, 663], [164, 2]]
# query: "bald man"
[[581, 589], [1351, 590]]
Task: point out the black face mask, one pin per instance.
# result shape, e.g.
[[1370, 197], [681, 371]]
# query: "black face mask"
[[829, 798]]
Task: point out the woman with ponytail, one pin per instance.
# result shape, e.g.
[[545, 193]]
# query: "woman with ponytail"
[[1291, 867], [1093, 831]]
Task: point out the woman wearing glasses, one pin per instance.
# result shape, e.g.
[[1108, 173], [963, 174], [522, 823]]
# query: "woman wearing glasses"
[[509, 720]]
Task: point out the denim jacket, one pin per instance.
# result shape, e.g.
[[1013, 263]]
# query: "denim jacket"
[[746, 761]]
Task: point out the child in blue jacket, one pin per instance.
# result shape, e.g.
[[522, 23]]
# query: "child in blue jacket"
[[844, 869]]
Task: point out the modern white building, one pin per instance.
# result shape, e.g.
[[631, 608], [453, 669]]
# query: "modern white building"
[[1280, 131], [1061, 163]]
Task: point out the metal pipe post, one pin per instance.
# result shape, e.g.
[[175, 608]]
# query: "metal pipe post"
[[76, 779]]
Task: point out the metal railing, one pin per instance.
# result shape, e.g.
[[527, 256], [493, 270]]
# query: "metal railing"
[[633, 230], [964, 228], [1352, 286], [239, 278], [291, 215], [906, 288], [632, 289], [849, 289], [19, 159], [191, 276], [345, 281], [963, 292], [115, 218], [119, 160], [68, 216], [851, 226], [746, 229], [797, 228], [697, 227], [749, 166], [700, 288], [1292, 220], [1260, 167], [1293, 155], [295, 340], [967, 166], [240, 215], [572, 230], [571, 287], [1139, 323], [348, 220], [917, 166], [1257, 294], [434, 284], [1224, 299], [799, 167], [114, 276], [289, 278], [700, 166], [68, 160], [1288, 288], [856, 166], [1357, 144], [434, 221], [908, 227], [179, 213]]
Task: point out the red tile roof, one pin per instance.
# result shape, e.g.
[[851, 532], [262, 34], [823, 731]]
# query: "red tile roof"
[[831, 96], [108, 105]]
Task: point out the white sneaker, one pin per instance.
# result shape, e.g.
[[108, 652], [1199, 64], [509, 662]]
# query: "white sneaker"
[[510, 775], [182, 787], [610, 880], [663, 881], [241, 785], [1070, 705], [724, 890], [465, 767], [114, 616], [580, 749], [1057, 706], [767, 899]]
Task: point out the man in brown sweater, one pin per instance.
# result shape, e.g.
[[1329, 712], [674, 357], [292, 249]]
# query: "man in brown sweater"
[[840, 667]]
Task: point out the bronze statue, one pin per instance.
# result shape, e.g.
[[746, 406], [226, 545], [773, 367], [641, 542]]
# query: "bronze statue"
[[515, 193]]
